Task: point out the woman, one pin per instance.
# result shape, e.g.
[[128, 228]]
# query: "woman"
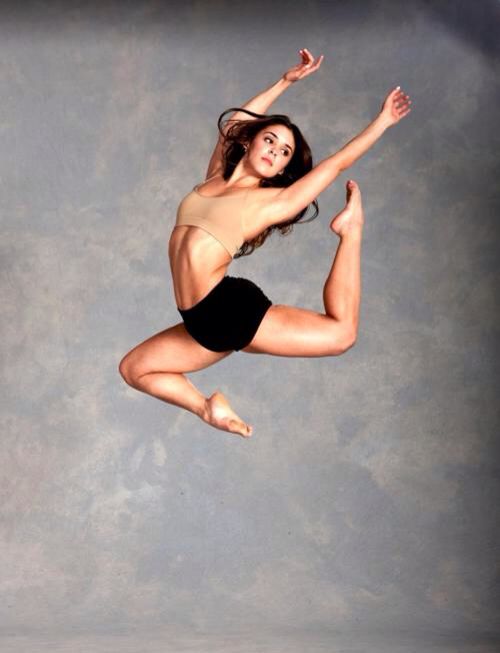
[[260, 178]]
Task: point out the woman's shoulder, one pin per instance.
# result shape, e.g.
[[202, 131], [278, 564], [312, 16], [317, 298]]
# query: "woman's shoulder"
[[264, 192], [215, 185], [259, 199], [258, 207]]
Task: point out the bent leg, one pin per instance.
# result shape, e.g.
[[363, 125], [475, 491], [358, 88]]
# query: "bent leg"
[[156, 367], [292, 331]]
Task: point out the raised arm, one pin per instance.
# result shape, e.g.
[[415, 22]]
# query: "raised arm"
[[294, 198], [261, 102], [258, 104]]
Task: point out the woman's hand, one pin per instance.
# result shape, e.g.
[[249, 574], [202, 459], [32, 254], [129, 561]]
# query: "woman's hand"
[[304, 68], [395, 106]]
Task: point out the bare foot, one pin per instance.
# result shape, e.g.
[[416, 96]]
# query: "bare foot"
[[219, 414], [351, 217]]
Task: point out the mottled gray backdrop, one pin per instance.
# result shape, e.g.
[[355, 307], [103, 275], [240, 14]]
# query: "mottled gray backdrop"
[[367, 498]]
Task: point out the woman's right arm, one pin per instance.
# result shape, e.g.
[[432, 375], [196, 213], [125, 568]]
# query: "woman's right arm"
[[258, 104], [261, 102]]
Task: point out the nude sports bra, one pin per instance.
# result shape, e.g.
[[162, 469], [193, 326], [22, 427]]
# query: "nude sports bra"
[[219, 216]]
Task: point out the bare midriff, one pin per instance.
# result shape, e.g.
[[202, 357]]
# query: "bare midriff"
[[198, 261]]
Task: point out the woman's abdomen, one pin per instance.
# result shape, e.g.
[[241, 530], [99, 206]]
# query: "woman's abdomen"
[[197, 263]]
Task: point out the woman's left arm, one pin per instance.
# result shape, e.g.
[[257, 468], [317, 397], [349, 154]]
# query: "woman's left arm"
[[394, 108], [296, 197]]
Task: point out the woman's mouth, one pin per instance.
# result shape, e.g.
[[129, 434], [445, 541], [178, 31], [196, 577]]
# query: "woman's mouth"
[[268, 160]]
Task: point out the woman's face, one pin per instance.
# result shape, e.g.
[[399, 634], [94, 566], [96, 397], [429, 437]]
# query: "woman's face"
[[271, 150]]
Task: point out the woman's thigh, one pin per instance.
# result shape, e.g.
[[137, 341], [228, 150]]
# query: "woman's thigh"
[[292, 331], [172, 350]]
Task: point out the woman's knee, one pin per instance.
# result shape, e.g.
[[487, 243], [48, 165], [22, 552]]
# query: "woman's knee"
[[132, 367], [127, 369], [336, 338], [348, 337]]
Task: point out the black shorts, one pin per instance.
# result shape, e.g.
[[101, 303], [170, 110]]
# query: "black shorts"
[[229, 316]]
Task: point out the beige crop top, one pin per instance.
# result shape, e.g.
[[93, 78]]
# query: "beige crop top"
[[221, 217]]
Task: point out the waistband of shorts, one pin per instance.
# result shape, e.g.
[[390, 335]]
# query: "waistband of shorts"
[[184, 311]]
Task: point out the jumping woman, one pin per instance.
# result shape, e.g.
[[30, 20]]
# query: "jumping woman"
[[260, 178]]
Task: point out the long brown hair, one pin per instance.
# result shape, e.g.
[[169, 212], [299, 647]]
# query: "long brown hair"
[[242, 133]]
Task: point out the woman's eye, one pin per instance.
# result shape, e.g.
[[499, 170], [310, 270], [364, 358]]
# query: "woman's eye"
[[268, 138]]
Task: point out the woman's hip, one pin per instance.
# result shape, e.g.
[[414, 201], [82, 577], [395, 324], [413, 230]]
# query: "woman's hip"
[[229, 315]]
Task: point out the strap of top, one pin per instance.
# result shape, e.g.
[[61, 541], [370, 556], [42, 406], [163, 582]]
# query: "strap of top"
[[202, 182]]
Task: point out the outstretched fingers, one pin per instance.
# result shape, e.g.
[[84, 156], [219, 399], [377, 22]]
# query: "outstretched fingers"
[[401, 104], [309, 62]]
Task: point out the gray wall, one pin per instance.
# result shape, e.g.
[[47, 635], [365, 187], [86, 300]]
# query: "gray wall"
[[367, 497]]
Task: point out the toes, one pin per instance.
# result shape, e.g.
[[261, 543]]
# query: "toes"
[[236, 426], [351, 186], [247, 430]]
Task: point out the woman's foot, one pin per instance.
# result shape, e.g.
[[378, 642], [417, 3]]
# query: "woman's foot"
[[351, 217], [218, 413]]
